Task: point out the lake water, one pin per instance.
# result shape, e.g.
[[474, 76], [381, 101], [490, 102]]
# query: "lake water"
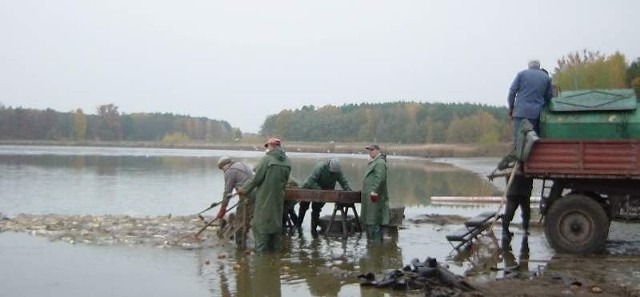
[[159, 182]]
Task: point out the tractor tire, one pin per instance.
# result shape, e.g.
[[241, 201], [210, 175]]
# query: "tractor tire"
[[576, 224]]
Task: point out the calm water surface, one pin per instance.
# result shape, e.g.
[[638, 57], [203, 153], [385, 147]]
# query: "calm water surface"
[[151, 182]]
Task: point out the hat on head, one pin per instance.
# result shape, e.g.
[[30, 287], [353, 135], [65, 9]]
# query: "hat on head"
[[334, 165], [224, 160], [273, 140], [372, 146]]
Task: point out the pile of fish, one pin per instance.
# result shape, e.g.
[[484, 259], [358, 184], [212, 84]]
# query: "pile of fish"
[[158, 231], [429, 276]]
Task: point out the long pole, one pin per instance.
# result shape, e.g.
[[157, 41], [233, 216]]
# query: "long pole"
[[504, 195], [212, 221]]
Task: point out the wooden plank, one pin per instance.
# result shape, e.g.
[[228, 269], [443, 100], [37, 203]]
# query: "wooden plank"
[[326, 196]]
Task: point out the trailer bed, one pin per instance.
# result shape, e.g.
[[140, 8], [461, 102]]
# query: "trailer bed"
[[584, 158]]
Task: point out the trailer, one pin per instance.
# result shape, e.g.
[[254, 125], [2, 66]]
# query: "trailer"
[[587, 183], [588, 159]]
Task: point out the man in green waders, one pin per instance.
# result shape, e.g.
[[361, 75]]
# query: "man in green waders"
[[375, 198], [270, 180], [325, 175]]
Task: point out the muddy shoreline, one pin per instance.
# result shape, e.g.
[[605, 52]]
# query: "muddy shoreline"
[[561, 276], [412, 150]]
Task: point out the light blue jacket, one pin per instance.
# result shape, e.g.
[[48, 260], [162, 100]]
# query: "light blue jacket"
[[529, 92]]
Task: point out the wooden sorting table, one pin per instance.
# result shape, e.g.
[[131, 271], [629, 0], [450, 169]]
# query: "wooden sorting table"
[[344, 200]]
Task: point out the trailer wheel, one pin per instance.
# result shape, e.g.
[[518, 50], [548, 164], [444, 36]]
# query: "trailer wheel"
[[576, 224]]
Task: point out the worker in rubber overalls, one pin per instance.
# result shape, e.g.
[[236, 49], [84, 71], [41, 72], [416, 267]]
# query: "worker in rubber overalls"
[[375, 197], [270, 181], [325, 175]]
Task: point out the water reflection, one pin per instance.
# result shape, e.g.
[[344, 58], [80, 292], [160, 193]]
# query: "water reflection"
[[514, 267], [151, 182], [154, 182]]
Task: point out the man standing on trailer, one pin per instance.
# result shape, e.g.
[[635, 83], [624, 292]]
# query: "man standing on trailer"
[[529, 92]]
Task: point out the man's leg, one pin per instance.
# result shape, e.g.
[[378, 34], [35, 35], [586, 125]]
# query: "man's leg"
[[302, 210], [274, 242], [374, 232], [525, 208], [262, 241], [516, 127], [242, 220], [507, 216], [316, 208], [292, 215], [525, 202]]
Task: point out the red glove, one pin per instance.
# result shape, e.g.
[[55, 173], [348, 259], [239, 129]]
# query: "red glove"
[[374, 197], [221, 212]]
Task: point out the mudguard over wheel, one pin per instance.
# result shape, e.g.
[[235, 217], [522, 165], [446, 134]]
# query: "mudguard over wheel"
[[576, 224]]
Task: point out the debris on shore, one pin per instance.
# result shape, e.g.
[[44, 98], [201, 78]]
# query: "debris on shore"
[[159, 231], [430, 276]]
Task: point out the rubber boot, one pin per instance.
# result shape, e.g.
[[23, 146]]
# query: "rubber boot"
[[505, 229], [315, 217], [525, 226], [302, 211]]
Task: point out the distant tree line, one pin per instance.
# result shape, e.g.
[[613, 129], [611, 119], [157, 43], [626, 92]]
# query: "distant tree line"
[[108, 124], [586, 69], [418, 122], [397, 122]]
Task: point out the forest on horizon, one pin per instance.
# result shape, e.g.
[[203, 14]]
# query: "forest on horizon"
[[409, 122]]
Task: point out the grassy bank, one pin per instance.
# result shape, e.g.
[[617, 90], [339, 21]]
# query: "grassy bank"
[[415, 150]]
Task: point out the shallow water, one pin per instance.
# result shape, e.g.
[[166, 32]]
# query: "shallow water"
[[143, 186]]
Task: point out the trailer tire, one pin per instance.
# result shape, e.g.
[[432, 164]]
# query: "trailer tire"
[[576, 224]]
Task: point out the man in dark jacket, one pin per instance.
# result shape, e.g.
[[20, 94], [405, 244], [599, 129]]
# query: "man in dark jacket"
[[325, 175], [270, 181]]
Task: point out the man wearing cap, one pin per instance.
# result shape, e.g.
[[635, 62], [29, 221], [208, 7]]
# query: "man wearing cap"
[[270, 180], [375, 198], [235, 175], [325, 175]]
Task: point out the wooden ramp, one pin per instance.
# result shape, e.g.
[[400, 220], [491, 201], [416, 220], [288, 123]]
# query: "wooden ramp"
[[472, 229]]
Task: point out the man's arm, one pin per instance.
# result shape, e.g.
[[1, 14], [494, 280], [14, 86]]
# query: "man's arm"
[[230, 180], [548, 94], [379, 175], [261, 172], [343, 182], [513, 90], [312, 181]]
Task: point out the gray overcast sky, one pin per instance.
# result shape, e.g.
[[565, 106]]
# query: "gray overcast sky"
[[240, 61]]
